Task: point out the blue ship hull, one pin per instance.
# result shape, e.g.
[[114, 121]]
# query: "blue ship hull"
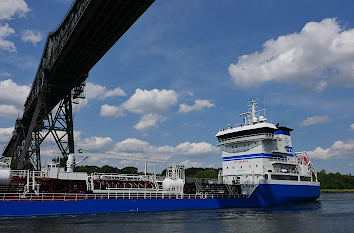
[[264, 195]]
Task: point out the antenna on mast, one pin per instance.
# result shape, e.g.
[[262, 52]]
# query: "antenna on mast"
[[253, 115]]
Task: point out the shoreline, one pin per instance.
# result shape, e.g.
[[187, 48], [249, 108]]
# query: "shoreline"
[[337, 190]]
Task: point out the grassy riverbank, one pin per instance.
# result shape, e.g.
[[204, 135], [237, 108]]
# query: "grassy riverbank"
[[337, 190]]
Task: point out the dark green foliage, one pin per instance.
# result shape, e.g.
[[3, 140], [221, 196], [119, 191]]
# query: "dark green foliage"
[[328, 180], [109, 169], [129, 170], [106, 169], [88, 169], [202, 172], [198, 172], [14, 163], [163, 173], [191, 172], [335, 180]]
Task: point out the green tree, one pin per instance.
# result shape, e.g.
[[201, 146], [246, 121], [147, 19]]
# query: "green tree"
[[129, 170]]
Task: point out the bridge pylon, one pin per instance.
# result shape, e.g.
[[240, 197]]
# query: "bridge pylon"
[[58, 125]]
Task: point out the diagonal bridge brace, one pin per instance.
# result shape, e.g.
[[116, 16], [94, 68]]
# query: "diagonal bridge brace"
[[23, 159]]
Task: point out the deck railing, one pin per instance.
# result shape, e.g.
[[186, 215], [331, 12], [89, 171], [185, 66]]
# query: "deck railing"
[[291, 160], [24, 173], [79, 197], [285, 171]]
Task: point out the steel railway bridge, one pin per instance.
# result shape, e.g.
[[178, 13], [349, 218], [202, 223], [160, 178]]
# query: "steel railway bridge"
[[89, 29]]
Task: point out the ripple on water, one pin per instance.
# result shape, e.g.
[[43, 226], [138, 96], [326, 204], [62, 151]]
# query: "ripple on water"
[[331, 213]]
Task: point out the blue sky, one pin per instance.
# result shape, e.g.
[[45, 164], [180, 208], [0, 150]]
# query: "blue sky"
[[188, 68]]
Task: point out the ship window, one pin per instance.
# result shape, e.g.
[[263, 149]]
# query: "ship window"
[[241, 166], [227, 167], [304, 178], [233, 167], [256, 165], [284, 177]]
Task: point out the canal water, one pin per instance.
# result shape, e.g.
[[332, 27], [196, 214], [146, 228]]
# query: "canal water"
[[332, 213]]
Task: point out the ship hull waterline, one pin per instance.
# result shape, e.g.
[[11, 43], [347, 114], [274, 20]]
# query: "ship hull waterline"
[[265, 195]]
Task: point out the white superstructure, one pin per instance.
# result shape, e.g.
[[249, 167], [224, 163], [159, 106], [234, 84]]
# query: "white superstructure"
[[261, 152]]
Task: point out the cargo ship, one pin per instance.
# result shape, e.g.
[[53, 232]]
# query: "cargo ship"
[[259, 169]]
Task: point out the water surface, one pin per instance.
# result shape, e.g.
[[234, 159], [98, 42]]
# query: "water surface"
[[331, 213]]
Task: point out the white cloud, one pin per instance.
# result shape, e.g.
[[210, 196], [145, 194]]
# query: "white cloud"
[[339, 149], [115, 92], [5, 74], [197, 106], [321, 54], [149, 121], [5, 134], [10, 8], [6, 31], [188, 163], [9, 110], [12, 97], [93, 143], [96, 91], [110, 111], [131, 145], [153, 101], [90, 144], [12, 93], [32, 36], [188, 148], [352, 126], [153, 105], [136, 147], [315, 120]]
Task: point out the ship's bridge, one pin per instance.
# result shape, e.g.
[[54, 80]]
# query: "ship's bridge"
[[256, 132]]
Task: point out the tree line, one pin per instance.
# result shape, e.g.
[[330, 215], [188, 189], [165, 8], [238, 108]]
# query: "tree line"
[[335, 180], [106, 169], [328, 180]]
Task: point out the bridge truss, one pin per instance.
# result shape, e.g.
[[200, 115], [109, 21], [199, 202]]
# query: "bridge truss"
[[89, 29]]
